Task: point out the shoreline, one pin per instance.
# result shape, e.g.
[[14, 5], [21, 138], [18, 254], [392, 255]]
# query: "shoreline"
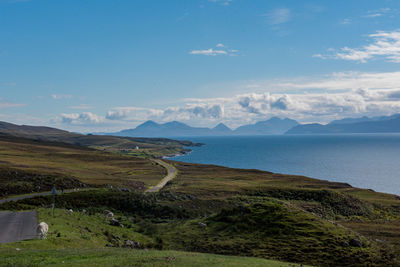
[[177, 154], [279, 165]]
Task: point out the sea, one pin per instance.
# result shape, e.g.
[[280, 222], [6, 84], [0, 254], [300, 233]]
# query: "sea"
[[362, 160]]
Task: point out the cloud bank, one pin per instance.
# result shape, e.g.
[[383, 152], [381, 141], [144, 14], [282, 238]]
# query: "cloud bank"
[[334, 96]]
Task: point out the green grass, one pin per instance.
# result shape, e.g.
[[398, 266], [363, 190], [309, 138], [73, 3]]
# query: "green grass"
[[80, 230], [80, 239], [257, 226], [127, 257], [272, 229]]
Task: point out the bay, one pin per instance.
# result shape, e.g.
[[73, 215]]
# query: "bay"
[[362, 160]]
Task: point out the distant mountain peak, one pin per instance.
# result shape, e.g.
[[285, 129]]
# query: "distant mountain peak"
[[274, 125], [222, 127], [149, 122]]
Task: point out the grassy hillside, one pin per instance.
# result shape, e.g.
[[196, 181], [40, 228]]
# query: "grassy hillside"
[[207, 208], [256, 226], [311, 219], [127, 257], [26, 164], [79, 240], [142, 147]]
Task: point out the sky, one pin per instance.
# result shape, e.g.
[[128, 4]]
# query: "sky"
[[107, 65]]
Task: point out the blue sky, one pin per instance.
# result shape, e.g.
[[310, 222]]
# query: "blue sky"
[[105, 65]]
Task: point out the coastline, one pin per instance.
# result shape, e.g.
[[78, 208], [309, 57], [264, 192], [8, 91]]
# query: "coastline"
[[184, 153], [309, 156]]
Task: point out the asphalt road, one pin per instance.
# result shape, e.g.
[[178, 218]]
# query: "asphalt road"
[[172, 171], [4, 200], [17, 226]]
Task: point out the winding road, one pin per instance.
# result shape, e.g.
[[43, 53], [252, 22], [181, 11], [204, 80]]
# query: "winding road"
[[17, 226], [171, 174], [16, 198]]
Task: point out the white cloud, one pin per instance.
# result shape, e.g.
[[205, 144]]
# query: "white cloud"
[[81, 106], [132, 113], [345, 21], [378, 13], [221, 2], [61, 96], [321, 99], [331, 97], [319, 56], [85, 118], [9, 105], [384, 45], [220, 50], [347, 81], [373, 15], [278, 16], [194, 111], [208, 52]]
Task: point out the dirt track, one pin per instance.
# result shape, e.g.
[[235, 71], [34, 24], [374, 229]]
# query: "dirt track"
[[172, 171]]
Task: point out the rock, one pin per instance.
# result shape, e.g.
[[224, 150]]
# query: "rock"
[[129, 243], [355, 243], [202, 224], [344, 244], [132, 244], [115, 222]]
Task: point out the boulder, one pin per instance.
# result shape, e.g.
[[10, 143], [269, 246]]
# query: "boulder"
[[355, 242], [115, 222], [132, 244], [202, 224]]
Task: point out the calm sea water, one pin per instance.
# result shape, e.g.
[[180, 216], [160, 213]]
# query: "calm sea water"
[[362, 160]]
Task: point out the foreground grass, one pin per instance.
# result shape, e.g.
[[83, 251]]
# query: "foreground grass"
[[80, 230], [253, 226], [80, 239], [126, 257]]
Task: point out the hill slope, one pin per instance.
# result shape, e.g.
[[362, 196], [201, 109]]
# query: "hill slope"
[[156, 147], [30, 165]]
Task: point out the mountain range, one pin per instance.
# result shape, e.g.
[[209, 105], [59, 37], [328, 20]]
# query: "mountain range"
[[170, 129], [383, 124], [275, 125]]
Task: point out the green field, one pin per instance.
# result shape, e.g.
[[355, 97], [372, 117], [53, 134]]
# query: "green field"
[[127, 257]]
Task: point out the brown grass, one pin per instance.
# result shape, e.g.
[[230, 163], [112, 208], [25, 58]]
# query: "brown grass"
[[88, 165]]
